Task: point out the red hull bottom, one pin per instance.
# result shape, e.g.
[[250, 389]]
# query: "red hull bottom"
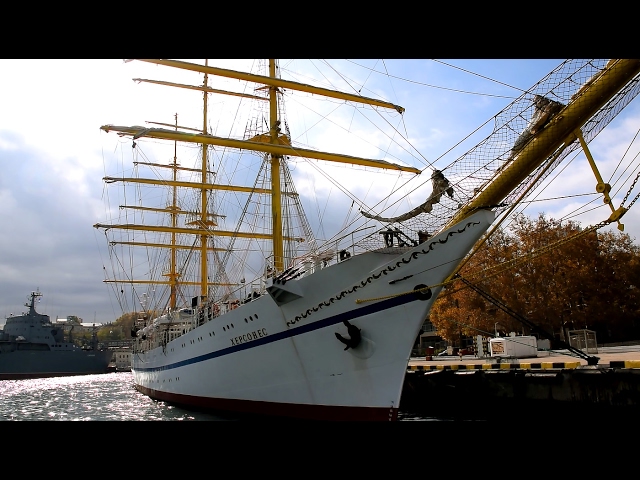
[[300, 411]]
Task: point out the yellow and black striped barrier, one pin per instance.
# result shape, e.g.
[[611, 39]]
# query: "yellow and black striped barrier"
[[518, 366], [625, 364], [496, 366]]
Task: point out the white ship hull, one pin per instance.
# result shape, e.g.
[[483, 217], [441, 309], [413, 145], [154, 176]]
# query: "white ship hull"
[[285, 359]]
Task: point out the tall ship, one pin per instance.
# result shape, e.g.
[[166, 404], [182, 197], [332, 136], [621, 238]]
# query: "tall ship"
[[33, 347], [242, 307]]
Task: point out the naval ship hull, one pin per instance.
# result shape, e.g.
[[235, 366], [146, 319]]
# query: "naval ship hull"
[[28, 363]]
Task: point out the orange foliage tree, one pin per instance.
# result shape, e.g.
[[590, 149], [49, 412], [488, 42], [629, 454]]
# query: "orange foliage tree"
[[589, 282]]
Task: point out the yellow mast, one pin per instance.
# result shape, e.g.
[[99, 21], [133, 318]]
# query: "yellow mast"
[[278, 249], [203, 89], [274, 143], [272, 81], [206, 186], [281, 149], [204, 218], [563, 128], [174, 219], [190, 231], [164, 245]]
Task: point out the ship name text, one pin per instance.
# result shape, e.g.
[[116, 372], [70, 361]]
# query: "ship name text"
[[256, 334]]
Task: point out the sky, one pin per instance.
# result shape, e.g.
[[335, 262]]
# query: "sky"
[[53, 154]]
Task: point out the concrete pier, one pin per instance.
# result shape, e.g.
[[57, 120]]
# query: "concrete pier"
[[610, 357], [553, 383]]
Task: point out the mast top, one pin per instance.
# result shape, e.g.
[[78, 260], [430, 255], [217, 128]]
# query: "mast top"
[[276, 82]]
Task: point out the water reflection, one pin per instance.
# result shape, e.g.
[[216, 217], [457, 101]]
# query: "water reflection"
[[109, 397]]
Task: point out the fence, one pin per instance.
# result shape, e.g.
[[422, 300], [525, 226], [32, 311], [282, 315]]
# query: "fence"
[[584, 340]]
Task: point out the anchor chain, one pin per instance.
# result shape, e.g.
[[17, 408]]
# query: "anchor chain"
[[629, 193]]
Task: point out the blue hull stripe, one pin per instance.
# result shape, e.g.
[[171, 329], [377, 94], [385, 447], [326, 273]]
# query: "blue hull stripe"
[[357, 313]]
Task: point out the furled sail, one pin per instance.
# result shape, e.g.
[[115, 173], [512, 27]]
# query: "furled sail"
[[440, 185], [545, 109]]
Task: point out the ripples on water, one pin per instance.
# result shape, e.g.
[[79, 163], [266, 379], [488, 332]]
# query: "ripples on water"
[[109, 396]]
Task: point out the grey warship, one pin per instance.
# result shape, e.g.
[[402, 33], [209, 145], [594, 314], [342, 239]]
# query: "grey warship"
[[32, 347]]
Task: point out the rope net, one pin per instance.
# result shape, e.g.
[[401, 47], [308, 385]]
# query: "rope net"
[[513, 128]]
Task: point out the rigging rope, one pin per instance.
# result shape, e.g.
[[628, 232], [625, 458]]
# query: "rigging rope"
[[481, 76], [438, 86], [486, 273], [625, 154]]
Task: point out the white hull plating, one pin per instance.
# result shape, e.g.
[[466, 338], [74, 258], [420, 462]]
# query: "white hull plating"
[[267, 358]]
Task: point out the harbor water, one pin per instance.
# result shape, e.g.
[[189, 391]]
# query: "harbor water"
[[106, 397]]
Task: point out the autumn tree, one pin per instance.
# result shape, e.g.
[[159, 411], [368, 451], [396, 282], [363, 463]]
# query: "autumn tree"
[[121, 328], [588, 282]]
